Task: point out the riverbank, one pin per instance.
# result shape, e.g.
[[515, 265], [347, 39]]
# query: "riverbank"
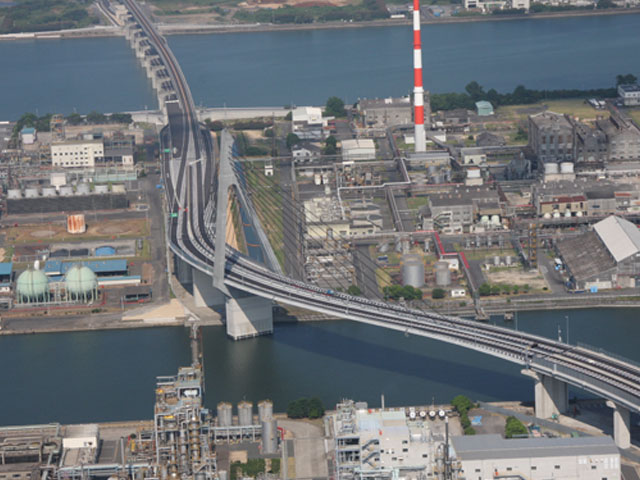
[[197, 29]]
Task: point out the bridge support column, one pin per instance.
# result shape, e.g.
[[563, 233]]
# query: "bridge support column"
[[248, 316], [621, 425], [183, 271], [204, 293], [551, 394]]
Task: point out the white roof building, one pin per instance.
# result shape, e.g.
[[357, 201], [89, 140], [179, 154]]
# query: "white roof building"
[[358, 149], [620, 236], [309, 115]]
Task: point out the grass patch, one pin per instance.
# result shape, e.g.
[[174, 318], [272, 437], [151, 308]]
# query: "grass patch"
[[415, 202]]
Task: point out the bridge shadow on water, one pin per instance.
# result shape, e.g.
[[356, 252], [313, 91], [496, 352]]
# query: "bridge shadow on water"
[[396, 353]]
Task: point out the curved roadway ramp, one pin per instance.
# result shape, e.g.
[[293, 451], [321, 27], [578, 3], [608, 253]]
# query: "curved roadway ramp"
[[196, 179]]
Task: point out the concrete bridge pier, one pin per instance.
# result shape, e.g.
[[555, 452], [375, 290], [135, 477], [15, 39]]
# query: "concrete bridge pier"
[[551, 394], [183, 271], [248, 315], [204, 293], [621, 425]]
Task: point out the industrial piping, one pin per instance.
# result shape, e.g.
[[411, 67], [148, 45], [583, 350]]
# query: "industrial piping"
[[418, 90]]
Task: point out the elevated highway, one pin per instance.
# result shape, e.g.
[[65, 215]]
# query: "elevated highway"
[[198, 177]]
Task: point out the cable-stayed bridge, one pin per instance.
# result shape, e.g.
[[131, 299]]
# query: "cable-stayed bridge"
[[199, 174]]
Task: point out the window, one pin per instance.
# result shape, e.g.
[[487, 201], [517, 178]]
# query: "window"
[[509, 469], [557, 467], [593, 467], [533, 467]]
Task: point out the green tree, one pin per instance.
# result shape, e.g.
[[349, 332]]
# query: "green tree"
[[316, 408], [121, 118], [335, 107], [626, 79], [475, 91], [495, 289], [74, 119], [96, 117], [354, 290], [292, 139], [484, 290], [330, 145], [506, 288], [437, 293], [514, 427], [288, 116], [602, 4], [462, 403]]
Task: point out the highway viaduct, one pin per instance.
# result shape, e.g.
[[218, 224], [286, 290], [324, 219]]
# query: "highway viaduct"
[[198, 177]]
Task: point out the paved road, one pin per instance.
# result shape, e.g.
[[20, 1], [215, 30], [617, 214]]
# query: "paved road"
[[309, 450]]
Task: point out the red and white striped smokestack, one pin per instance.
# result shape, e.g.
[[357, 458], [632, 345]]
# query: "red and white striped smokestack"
[[418, 90]]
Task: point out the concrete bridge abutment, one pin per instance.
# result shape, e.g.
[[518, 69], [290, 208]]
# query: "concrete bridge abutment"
[[551, 394], [621, 425], [248, 316]]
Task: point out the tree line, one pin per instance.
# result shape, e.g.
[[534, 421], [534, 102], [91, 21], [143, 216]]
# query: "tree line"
[[43, 123]]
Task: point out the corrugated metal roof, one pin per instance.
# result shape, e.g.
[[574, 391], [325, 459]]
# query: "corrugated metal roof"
[[53, 267], [486, 447], [620, 236]]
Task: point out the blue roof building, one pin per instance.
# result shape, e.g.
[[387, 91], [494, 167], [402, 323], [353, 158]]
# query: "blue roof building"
[[99, 267]]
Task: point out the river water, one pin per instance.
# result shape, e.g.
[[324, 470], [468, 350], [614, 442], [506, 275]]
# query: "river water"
[[102, 376], [306, 67], [99, 376]]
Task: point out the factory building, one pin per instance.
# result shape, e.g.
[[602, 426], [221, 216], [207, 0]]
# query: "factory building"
[[606, 257], [28, 136], [484, 108], [629, 94], [623, 138], [307, 123], [77, 153], [455, 212], [358, 149], [491, 456], [551, 137]]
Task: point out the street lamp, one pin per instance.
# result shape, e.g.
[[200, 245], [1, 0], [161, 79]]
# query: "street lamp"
[[566, 317]]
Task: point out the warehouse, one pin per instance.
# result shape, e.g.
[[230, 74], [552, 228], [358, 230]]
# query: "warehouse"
[[606, 257], [491, 456]]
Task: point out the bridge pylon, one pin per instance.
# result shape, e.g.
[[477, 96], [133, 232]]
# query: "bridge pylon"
[[551, 394]]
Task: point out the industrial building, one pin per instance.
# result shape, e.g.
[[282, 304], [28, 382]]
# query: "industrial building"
[[551, 137], [457, 211], [28, 135], [358, 149], [605, 257], [77, 153], [491, 456], [484, 108], [629, 94], [307, 123]]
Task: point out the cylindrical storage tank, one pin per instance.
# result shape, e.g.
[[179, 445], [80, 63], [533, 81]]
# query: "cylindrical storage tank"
[[245, 413], [81, 282], [550, 167], [222, 475], [83, 189], [102, 189], [412, 271], [484, 219], [76, 223], [32, 285], [443, 274], [66, 191], [14, 193], [49, 192], [265, 409], [507, 260], [496, 260], [384, 248], [567, 213], [547, 215], [566, 167], [269, 436], [578, 214], [31, 193], [556, 214], [119, 188], [495, 219], [225, 414]]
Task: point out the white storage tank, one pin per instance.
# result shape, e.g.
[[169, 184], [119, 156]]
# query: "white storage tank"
[[49, 192], [550, 168], [547, 215], [556, 214], [119, 188], [413, 271], [496, 260], [578, 214], [14, 193], [567, 213], [495, 219], [507, 260], [566, 167], [31, 193], [102, 189], [443, 274], [484, 219], [265, 409], [269, 436], [225, 414], [245, 413]]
